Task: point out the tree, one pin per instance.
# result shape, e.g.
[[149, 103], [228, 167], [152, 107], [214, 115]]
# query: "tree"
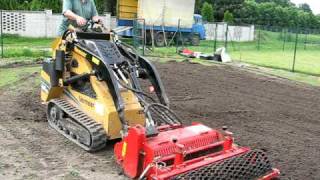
[[221, 6], [54, 5], [8, 4], [283, 3], [111, 6], [279, 13], [198, 5], [101, 6], [36, 5], [228, 17], [207, 12], [305, 7]]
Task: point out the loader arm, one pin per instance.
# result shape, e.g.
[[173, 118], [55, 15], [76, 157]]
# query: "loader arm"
[[152, 72]]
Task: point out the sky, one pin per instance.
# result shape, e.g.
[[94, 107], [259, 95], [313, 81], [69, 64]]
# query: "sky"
[[314, 4]]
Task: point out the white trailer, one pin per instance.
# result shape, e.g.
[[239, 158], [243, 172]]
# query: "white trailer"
[[164, 18]]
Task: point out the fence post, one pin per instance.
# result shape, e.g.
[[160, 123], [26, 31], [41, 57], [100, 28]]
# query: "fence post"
[[1, 33], [306, 40], [181, 35], [152, 37], [284, 38], [259, 39], [226, 38], [295, 52], [144, 33], [215, 38], [178, 36]]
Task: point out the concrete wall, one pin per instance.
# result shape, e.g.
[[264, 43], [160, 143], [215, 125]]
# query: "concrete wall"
[[38, 23], [235, 33]]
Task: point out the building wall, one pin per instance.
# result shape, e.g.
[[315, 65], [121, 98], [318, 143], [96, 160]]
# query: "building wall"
[[37, 23], [235, 33]]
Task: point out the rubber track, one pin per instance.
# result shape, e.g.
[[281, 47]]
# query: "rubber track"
[[97, 132]]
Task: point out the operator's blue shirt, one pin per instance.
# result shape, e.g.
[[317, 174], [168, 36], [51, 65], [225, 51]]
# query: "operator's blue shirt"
[[84, 8]]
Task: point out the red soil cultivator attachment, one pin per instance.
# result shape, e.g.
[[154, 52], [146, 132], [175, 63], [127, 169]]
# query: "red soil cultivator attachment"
[[192, 152]]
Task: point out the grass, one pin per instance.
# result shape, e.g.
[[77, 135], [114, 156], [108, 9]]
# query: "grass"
[[18, 47], [299, 77], [306, 62], [269, 53], [11, 75]]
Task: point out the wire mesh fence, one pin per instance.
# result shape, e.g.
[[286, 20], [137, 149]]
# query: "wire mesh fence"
[[292, 49]]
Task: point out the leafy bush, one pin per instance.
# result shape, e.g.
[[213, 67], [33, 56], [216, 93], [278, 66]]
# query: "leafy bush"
[[207, 12], [228, 17], [27, 52]]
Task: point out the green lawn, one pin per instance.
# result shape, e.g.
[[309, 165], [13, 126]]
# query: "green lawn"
[[272, 52], [12, 75], [299, 77], [22, 47], [269, 54]]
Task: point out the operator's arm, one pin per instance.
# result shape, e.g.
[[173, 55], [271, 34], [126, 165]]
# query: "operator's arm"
[[67, 12], [72, 16]]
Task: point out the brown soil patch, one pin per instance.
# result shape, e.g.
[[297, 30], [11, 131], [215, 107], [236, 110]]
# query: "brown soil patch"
[[263, 112]]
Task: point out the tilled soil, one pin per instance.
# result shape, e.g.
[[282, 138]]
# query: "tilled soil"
[[30, 149], [276, 115]]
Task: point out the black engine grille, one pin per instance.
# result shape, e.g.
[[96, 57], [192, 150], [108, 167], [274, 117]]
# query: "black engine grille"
[[249, 166]]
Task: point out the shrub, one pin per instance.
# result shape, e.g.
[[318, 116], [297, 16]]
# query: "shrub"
[[207, 12]]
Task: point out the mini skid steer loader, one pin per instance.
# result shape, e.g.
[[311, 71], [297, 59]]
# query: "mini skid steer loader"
[[93, 90]]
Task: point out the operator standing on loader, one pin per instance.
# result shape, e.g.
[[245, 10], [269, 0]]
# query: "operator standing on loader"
[[77, 13]]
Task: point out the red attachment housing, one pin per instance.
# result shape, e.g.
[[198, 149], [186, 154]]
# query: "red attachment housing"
[[175, 150]]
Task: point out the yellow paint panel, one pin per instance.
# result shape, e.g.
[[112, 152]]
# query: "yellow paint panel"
[[80, 52], [128, 16], [45, 76], [83, 64], [56, 43], [127, 9], [128, 3], [124, 149], [132, 10], [96, 61], [52, 92], [44, 96]]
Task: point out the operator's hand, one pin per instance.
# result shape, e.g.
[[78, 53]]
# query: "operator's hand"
[[81, 21], [97, 19]]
